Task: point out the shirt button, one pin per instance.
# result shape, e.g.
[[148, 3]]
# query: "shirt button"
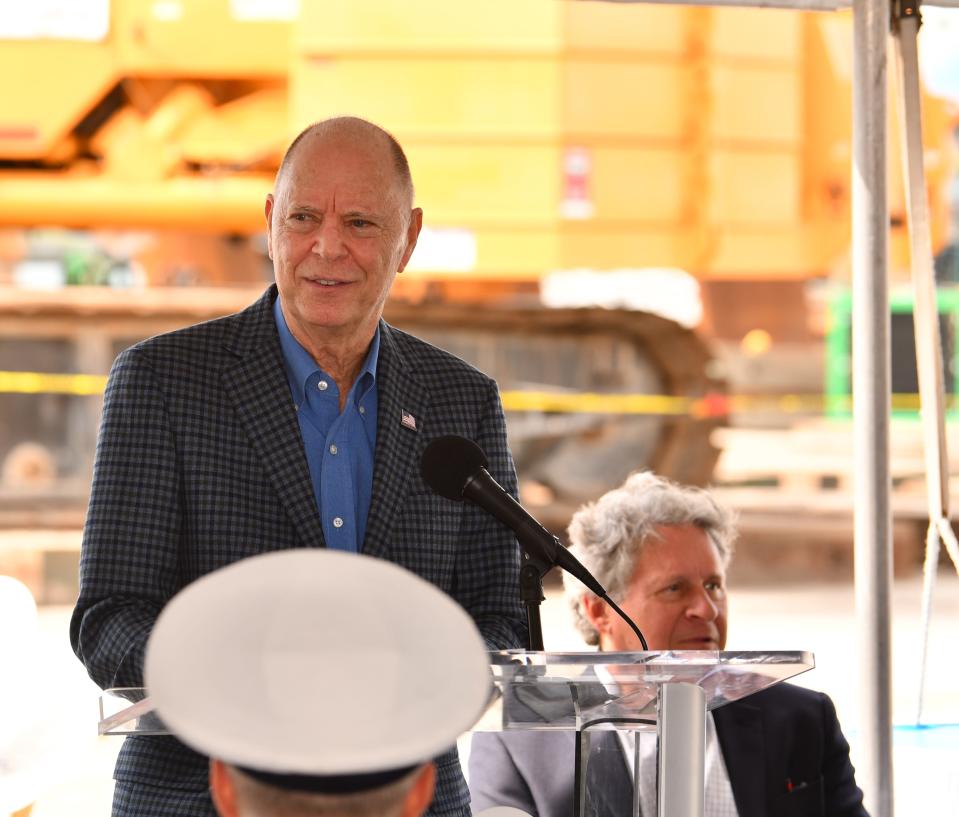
[[362, 410], [337, 522], [333, 450], [322, 385]]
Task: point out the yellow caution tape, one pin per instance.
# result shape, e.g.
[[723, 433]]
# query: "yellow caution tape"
[[710, 405], [43, 383], [594, 403]]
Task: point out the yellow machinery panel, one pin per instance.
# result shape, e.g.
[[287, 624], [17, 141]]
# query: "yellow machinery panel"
[[504, 26], [747, 253], [605, 248], [469, 98], [464, 185], [827, 83], [635, 135], [748, 34], [655, 193], [754, 188], [614, 28], [39, 106], [623, 99], [512, 254], [90, 202], [544, 134], [757, 106], [211, 38]]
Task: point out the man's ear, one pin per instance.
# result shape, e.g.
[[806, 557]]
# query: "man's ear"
[[222, 789], [268, 212], [419, 797], [412, 235], [597, 612]]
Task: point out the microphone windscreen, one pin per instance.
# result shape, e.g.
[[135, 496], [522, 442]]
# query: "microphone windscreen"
[[449, 462]]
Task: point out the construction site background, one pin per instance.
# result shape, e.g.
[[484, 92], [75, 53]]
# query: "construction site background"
[[637, 221]]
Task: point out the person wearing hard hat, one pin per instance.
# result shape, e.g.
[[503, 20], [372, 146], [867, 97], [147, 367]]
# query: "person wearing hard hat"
[[318, 683]]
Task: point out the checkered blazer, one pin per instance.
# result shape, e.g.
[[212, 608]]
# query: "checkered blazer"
[[200, 463]]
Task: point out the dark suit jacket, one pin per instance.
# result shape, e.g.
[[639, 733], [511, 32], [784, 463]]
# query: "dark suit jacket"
[[783, 733], [200, 463]]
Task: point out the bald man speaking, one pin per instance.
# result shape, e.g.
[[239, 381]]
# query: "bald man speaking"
[[298, 422]]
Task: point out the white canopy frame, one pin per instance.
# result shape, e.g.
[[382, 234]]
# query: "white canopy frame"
[[926, 323], [871, 377]]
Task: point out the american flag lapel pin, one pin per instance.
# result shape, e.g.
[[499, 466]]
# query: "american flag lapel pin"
[[408, 420]]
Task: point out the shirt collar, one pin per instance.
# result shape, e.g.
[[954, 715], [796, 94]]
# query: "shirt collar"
[[300, 365], [367, 376]]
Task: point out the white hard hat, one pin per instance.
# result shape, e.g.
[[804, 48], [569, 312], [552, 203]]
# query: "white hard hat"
[[317, 669]]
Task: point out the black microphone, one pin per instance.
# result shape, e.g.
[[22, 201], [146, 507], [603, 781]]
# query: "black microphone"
[[455, 467]]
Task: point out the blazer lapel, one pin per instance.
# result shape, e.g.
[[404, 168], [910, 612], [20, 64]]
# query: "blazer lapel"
[[400, 413], [739, 727], [258, 386]]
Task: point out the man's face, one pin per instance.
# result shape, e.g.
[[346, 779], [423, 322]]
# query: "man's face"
[[340, 229], [677, 596]]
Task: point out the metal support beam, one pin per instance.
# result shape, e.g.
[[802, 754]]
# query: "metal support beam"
[[871, 396], [682, 750]]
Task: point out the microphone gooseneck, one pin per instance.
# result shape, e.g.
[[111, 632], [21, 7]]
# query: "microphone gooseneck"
[[456, 468]]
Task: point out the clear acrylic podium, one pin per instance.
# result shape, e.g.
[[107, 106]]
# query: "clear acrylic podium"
[[668, 692], [587, 693]]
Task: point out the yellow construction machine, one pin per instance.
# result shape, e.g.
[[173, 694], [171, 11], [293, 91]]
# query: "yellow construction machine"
[[552, 143]]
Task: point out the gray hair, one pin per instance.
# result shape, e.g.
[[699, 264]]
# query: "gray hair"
[[607, 535], [258, 799]]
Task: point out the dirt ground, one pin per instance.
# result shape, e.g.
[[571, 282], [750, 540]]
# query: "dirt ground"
[[76, 765]]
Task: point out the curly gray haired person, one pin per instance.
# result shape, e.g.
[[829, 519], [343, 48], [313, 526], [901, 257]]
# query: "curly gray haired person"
[[607, 535], [661, 550]]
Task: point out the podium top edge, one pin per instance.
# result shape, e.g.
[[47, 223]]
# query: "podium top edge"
[[661, 656]]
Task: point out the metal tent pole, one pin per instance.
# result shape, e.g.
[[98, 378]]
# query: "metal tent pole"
[[871, 407]]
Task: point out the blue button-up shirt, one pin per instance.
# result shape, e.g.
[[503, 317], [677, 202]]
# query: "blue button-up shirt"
[[339, 447]]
